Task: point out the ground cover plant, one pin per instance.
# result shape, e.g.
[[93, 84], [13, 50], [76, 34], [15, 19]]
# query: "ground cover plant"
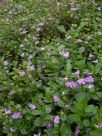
[[51, 68]]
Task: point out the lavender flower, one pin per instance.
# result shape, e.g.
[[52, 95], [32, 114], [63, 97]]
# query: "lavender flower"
[[71, 84], [21, 45], [57, 119], [37, 134], [99, 33], [49, 126], [98, 126], [30, 56], [90, 86], [32, 106], [12, 129], [7, 111], [91, 55], [68, 37], [22, 73], [16, 115], [89, 79], [32, 67], [64, 54], [5, 63], [73, 9], [56, 98], [1, 88], [38, 29], [95, 61], [79, 40], [89, 37], [11, 92], [81, 81], [41, 24], [77, 131], [86, 42], [77, 72]]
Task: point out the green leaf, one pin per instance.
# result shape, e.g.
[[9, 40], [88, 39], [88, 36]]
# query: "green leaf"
[[65, 130], [74, 117]]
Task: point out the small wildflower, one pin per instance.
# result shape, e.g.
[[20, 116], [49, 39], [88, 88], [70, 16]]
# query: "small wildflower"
[[79, 40], [41, 24], [11, 92], [77, 131], [73, 9], [21, 45], [12, 129], [95, 61], [71, 84], [90, 86], [91, 55], [22, 73], [81, 81], [16, 115], [32, 106], [5, 63], [57, 119], [7, 111], [1, 88], [98, 126], [56, 98], [64, 54], [30, 56], [86, 42], [22, 54], [32, 67], [89, 79], [49, 126], [68, 37], [89, 37], [42, 49], [77, 72], [99, 8], [99, 33], [38, 29], [37, 134]]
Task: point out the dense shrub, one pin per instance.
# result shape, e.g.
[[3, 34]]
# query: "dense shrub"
[[51, 68]]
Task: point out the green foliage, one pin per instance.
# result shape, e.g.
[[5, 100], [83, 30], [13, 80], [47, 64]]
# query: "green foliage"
[[44, 46]]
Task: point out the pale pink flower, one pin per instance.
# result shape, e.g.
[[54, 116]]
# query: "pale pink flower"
[[32, 106], [64, 54], [56, 98], [42, 49], [21, 45], [81, 81], [11, 92], [89, 79], [22, 73], [57, 119], [71, 84], [7, 111]]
